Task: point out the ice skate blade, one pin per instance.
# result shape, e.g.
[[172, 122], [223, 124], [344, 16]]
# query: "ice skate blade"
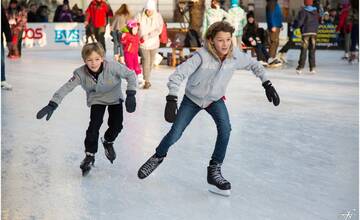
[[215, 190]]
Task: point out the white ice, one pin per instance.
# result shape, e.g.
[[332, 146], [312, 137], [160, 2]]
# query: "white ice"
[[297, 161]]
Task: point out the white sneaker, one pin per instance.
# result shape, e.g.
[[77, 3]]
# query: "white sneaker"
[[274, 62], [6, 86], [298, 70], [263, 63], [140, 79]]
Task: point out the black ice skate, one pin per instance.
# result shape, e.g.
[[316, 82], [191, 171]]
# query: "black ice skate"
[[109, 150], [149, 166], [86, 164], [218, 184]]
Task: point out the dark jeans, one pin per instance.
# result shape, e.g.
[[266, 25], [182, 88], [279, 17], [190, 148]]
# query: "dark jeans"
[[96, 119], [261, 52], [99, 36], [308, 42], [354, 37], [2, 62], [118, 47], [186, 113], [289, 44]]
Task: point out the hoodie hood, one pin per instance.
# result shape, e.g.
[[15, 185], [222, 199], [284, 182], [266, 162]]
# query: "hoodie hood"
[[310, 8]]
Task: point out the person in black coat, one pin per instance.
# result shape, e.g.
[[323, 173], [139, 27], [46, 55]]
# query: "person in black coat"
[[5, 31], [253, 36]]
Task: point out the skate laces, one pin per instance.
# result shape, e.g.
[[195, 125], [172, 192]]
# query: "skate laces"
[[150, 165], [216, 173]]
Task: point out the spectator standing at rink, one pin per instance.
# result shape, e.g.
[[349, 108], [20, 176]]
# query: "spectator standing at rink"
[[77, 14], [237, 18], [354, 19], [209, 71], [101, 81], [151, 24], [344, 27], [117, 24], [254, 37], [274, 25], [308, 22], [43, 13], [17, 17], [5, 32], [212, 15], [97, 15]]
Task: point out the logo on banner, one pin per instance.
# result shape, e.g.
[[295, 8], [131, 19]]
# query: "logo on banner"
[[67, 36], [33, 33]]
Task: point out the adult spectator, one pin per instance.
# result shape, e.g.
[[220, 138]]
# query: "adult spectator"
[[237, 18], [97, 15], [117, 24], [17, 17], [59, 9], [344, 27], [32, 16], [43, 13], [213, 14], [77, 14], [151, 24], [274, 25], [5, 31], [65, 14], [354, 19], [308, 22]]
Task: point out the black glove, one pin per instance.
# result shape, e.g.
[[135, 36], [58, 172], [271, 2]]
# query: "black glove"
[[130, 102], [47, 110], [170, 108], [271, 93]]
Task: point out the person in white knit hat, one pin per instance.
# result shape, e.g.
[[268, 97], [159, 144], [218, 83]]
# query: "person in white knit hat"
[[151, 23]]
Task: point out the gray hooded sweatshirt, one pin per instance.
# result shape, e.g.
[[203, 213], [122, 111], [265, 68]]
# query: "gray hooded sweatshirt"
[[209, 77], [106, 90]]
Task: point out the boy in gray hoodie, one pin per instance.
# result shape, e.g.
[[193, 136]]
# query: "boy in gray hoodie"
[[209, 72], [101, 81]]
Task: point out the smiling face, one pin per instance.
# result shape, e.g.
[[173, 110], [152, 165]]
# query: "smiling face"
[[93, 61], [222, 42]]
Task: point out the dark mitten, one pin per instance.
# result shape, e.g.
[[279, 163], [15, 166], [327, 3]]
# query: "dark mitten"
[[271, 93], [47, 110], [170, 108], [130, 102]]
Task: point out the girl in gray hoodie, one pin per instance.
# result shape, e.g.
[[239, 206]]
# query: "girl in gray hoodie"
[[209, 72], [101, 81]]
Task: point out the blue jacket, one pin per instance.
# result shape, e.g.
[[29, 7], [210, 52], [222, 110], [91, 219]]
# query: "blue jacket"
[[274, 18], [308, 20], [208, 77]]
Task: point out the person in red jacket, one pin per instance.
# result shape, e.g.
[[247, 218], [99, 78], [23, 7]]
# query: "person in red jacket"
[[96, 15], [344, 27], [131, 42]]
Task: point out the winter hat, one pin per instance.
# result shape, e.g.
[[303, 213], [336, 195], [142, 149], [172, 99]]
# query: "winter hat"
[[308, 2], [234, 3], [150, 5], [132, 23], [250, 14]]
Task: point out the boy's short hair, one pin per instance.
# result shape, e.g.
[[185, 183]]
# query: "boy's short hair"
[[92, 47], [217, 27]]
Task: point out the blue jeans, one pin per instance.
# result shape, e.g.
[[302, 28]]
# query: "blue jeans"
[[186, 113], [118, 48]]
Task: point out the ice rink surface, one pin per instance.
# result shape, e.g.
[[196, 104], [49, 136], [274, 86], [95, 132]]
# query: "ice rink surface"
[[297, 161]]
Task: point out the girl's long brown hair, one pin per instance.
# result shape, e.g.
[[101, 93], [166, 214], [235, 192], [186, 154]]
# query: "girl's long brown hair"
[[123, 10]]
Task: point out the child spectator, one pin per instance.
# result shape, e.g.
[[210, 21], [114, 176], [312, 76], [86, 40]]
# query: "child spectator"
[[131, 41]]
